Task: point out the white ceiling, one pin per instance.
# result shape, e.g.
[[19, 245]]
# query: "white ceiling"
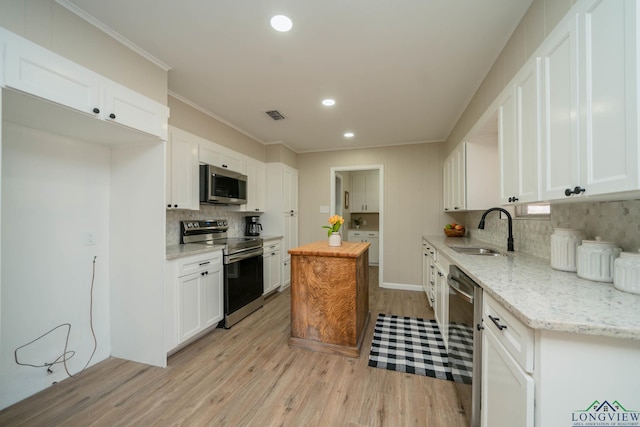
[[400, 71]]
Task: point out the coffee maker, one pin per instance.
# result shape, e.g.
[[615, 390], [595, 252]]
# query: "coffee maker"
[[253, 227]]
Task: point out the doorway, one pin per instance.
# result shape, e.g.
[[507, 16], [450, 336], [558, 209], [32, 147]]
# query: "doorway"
[[340, 202]]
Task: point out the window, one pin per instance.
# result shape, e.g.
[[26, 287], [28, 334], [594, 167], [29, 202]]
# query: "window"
[[538, 210]]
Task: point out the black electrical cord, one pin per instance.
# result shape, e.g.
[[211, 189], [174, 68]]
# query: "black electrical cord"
[[67, 354]]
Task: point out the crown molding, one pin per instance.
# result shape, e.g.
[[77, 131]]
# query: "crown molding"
[[210, 114], [112, 33]]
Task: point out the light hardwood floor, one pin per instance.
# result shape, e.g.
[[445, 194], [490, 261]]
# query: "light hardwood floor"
[[249, 376]]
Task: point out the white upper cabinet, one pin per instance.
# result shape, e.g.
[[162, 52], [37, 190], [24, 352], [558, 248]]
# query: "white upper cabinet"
[[560, 143], [183, 180], [608, 96], [365, 191], [518, 125], [217, 155], [32, 69], [454, 180], [471, 175], [256, 186], [589, 102]]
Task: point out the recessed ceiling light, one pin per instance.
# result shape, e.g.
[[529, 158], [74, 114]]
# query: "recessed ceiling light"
[[281, 23], [328, 102], [349, 134]]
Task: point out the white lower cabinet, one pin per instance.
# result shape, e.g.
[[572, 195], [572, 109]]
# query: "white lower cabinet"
[[507, 390], [194, 297], [272, 264], [441, 297], [373, 237], [507, 364]]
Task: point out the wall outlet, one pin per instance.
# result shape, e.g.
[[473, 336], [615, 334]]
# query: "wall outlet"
[[90, 238], [364, 222]]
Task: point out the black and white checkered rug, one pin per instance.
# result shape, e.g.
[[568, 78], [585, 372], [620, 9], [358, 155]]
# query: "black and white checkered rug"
[[415, 346]]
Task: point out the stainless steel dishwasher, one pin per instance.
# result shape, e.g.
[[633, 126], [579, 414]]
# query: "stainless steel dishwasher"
[[465, 341]]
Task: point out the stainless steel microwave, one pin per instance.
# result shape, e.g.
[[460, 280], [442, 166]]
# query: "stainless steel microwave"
[[222, 186]]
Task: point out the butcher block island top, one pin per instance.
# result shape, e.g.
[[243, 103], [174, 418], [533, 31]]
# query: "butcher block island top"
[[330, 297]]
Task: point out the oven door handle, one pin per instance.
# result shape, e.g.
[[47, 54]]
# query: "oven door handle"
[[455, 285], [233, 258]]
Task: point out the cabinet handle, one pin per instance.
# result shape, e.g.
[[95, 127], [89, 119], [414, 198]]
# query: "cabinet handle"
[[446, 209], [112, 116], [205, 263], [513, 199], [496, 321], [577, 190], [431, 253], [224, 166], [175, 206], [440, 273], [455, 208], [169, 206], [479, 326], [96, 111]]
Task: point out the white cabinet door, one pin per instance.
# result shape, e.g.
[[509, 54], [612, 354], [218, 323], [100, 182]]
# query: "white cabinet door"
[[129, 108], [560, 141], [507, 143], [528, 115], [216, 155], [365, 195], [272, 264], [35, 70], [182, 171], [441, 301], [290, 190], [608, 96], [256, 186], [589, 103], [455, 180], [189, 297], [518, 123], [358, 192], [290, 232], [373, 195], [507, 391], [212, 298], [286, 272]]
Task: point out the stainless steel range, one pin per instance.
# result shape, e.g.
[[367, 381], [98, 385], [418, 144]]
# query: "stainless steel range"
[[243, 271]]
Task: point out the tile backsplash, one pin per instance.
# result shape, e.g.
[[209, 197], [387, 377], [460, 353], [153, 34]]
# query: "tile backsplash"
[[617, 222], [236, 220]]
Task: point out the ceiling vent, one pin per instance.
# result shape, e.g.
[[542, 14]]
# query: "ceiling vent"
[[275, 115]]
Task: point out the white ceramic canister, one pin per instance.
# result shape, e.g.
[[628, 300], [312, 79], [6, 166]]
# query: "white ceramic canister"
[[595, 260], [626, 275], [564, 244]]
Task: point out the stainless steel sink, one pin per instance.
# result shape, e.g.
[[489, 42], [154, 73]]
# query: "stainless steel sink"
[[475, 250]]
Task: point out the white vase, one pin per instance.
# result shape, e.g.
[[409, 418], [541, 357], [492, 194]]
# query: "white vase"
[[335, 239]]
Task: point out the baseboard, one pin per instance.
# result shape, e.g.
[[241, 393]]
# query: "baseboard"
[[402, 286]]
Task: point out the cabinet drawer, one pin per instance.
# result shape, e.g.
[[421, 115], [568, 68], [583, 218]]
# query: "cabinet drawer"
[[196, 263], [271, 247], [513, 334]]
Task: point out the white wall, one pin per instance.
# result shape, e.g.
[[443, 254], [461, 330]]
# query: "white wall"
[[54, 190], [412, 201]]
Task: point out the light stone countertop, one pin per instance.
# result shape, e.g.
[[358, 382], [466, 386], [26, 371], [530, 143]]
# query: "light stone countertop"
[[544, 298], [180, 251]]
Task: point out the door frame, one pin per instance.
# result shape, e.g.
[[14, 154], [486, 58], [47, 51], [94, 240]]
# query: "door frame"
[[380, 168]]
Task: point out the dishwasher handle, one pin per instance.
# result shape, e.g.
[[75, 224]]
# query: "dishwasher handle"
[[455, 286]]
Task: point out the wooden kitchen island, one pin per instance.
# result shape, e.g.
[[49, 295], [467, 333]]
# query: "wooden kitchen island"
[[330, 297]]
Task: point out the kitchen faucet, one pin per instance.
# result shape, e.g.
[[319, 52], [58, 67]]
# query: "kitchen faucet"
[[510, 238]]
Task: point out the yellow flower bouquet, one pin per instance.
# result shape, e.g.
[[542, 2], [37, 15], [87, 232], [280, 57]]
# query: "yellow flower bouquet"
[[336, 221]]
